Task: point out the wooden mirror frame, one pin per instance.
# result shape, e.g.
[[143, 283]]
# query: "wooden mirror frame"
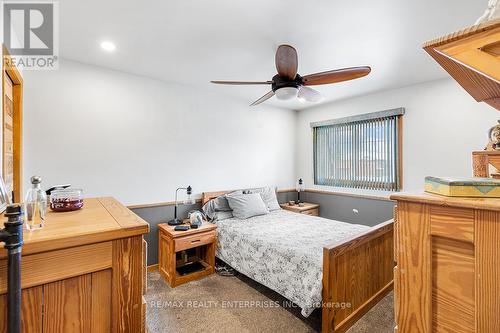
[[17, 94]]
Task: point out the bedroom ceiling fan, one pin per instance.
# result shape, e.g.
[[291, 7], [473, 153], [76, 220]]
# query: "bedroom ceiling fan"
[[287, 84]]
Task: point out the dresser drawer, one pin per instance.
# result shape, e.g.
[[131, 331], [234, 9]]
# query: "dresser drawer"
[[189, 242], [312, 212], [451, 222]]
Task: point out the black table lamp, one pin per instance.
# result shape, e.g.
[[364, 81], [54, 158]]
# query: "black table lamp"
[[300, 188], [188, 201]]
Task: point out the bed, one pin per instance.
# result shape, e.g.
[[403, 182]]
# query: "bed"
[[314, 262]]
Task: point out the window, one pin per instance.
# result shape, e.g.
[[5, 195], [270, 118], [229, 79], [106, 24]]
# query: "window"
[[361, 152]]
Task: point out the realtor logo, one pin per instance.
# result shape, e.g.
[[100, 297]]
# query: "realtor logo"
[[30, 33]]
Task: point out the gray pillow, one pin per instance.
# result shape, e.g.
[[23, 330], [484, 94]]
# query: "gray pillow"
[[269, 196], [218, 208], [245, 206]]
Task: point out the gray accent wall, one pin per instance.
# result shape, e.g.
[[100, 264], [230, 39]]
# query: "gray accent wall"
[[286, 196], [332, 206], [340, 207], [155, 216]]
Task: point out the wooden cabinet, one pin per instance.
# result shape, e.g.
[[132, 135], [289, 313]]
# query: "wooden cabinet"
[[307, 209], [447, 277], [182, 248], [83, 272], [472, 58]]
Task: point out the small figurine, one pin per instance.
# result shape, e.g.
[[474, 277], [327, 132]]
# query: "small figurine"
[[491, 13], [494, 136]]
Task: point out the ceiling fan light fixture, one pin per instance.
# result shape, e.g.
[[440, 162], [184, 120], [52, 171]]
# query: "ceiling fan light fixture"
[[307, 94], [287, 84], [286, 93]]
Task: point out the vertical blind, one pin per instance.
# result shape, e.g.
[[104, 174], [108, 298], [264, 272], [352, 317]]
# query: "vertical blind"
[[359, 152]]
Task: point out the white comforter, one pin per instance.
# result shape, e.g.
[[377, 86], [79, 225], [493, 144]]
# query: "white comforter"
[[283, 251]]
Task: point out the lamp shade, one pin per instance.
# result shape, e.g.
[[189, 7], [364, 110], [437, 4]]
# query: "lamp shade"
[[300, 185], [307, 94], [189, 199], [286, 93]]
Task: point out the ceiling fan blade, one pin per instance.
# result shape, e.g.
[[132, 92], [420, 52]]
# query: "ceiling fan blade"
[[309, 95], [337, 75], [263, 98], [286, 62], [242, 82]]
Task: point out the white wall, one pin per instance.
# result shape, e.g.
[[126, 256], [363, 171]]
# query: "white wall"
[[138, 139], [442, 126]]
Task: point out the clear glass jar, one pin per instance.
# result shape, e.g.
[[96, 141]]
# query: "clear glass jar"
[[66, 200], [35, 205]]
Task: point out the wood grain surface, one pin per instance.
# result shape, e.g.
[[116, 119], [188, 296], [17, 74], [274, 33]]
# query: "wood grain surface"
[[83, 272], [68, 305], [41, 268], [447, 276], [358, 272], [469, 57]]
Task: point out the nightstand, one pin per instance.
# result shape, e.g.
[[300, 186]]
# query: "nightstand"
[[186, 255], [308, 208]]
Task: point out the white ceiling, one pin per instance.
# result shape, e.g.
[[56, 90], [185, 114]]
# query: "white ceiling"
[[194, 41]]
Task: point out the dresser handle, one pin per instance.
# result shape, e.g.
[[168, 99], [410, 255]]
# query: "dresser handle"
[[195, 241]]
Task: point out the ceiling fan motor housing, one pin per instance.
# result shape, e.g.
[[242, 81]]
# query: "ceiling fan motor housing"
[[279, 82]]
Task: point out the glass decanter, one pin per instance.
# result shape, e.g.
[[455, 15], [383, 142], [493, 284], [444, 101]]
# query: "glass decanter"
[[35, 205]]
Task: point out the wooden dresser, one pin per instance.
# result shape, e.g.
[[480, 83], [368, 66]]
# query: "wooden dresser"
[[83, 272], [447, 277]]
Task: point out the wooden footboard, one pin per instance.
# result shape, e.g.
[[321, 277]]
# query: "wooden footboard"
[[357, 273]]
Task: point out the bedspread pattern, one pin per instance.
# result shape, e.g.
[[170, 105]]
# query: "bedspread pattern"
[[283, 251]]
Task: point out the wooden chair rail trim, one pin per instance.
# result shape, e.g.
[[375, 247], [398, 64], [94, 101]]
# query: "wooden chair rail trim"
[[158, 204], [353, 242], [354, 195], [210, 195], [200, 200]]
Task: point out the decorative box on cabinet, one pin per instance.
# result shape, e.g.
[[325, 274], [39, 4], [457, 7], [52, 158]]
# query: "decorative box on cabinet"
[[83, 272], [447, 277]]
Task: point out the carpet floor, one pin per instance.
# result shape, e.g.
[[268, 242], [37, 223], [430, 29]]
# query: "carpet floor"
[[238, 304]]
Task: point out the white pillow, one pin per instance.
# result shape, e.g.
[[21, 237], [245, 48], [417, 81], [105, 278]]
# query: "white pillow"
[[245, 206], [268, 195]]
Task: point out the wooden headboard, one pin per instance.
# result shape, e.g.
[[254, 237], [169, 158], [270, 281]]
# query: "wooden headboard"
[[207, 196]]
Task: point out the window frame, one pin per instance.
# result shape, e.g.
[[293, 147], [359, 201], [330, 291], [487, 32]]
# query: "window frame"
[[396, 113]]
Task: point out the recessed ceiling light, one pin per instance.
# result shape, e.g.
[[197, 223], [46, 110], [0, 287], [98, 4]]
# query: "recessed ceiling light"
[[108, 46]]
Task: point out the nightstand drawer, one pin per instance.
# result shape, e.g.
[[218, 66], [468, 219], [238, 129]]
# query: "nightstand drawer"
[[195, 240], [312, 212]]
